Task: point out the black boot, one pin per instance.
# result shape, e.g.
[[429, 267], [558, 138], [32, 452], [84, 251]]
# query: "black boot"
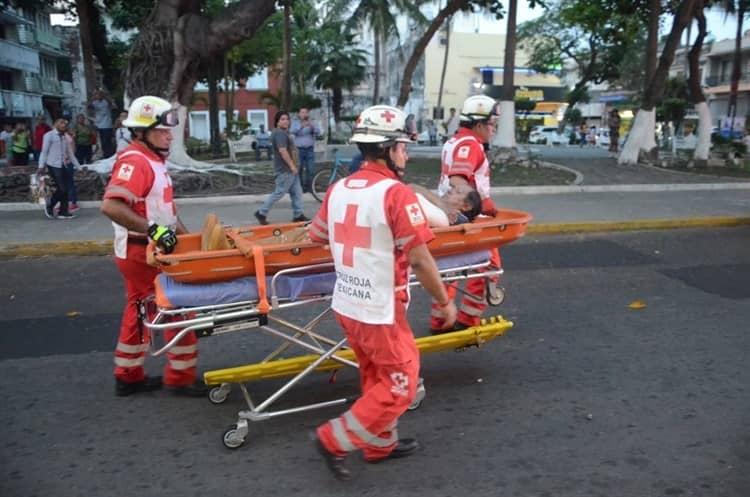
[[149, 384], [404, 448], [261, 218], [334, 463]]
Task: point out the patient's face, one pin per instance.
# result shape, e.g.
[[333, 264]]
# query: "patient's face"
[[455, 198]]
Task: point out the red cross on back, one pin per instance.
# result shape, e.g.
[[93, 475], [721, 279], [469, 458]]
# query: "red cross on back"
[[350, 235]]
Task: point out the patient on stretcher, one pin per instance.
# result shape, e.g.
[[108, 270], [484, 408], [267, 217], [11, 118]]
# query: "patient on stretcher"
[[461, 204]]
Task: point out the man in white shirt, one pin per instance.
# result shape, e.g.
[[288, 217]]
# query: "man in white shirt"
[[102, 105], [57, 151]]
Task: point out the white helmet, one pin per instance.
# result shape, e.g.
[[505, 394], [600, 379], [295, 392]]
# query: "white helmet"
[[151, 112], [380, 124], [478, 108]]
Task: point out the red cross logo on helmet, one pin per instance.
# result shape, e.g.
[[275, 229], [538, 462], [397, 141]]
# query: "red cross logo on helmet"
[[147, 108], [387, 115]]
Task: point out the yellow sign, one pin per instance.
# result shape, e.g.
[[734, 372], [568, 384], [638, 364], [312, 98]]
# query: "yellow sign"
[[535, 95]]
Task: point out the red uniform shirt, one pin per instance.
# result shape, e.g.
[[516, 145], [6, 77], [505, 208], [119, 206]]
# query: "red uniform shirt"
[[408, 231]]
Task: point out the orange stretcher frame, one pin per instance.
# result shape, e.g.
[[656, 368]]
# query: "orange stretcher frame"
[[189, 264]]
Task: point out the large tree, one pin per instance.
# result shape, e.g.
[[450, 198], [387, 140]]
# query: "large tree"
[[175, 42], [697, 97], [641, 135]]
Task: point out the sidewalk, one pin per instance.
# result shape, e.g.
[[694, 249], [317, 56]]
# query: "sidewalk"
[[555, 210]]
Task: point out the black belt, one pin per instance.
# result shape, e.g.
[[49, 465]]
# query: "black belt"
[[305, 148], [138, 240]]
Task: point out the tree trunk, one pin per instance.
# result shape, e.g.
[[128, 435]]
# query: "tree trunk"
[[419, 48], [736, 68], [694, 85], [505, 136], [286, 72], [213, 109], [643, 139], [376, 85], [84, 30], [445, 62], [174, 41]]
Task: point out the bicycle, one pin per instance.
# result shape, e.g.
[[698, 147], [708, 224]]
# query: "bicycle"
[[323, 179]]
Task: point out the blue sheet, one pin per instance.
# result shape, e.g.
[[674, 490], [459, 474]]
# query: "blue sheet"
[[291, 287]]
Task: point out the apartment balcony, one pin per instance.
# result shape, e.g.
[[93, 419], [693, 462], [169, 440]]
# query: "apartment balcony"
[[18, 57], [44, 86], [19, 104], [725, 80]]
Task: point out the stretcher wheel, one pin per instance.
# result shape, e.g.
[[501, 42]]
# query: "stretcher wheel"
[[217, 395], [495, 294], [233, 437]]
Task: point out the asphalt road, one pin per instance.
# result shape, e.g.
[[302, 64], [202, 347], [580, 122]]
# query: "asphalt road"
[[585, 396]]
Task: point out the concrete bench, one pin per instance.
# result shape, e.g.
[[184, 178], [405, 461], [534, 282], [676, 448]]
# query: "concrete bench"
[[247, 143]]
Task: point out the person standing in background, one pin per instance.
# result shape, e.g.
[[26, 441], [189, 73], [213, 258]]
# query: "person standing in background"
[[39, 131], [305, 132], [286, 169], [614, 130], [451, 125], [264, 142], [21, 145], [102, 106], [84, 134], [411, 127], [5, 143], [56, 152], [123, 136]]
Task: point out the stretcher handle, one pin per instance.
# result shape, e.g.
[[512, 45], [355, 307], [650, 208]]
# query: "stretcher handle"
[[260, 277]]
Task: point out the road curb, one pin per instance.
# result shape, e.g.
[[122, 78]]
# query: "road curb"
[[104, 247]]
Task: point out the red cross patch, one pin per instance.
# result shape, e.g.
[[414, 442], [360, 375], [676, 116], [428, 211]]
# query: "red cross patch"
[[350, 235], [415, 214], [125, 172]]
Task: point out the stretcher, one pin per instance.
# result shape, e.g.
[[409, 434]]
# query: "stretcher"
[[258, 302], [219, 253]]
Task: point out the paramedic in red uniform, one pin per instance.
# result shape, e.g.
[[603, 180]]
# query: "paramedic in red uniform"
[[464, 161], [376, 230], [139, 201]]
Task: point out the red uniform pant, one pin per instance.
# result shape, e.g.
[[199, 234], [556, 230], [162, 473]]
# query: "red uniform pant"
[[389, 373], [473, 301], [132, 345]]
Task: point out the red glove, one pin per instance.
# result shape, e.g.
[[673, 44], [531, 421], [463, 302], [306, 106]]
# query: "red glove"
[[488, 207]]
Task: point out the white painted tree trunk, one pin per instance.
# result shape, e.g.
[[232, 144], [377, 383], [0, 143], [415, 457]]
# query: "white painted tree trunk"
[[704, 131], [505, 137], [640, 136], [178, 156]]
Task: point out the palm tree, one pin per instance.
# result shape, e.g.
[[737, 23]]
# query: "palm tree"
[[505, 136], [697, 97], [377, 14], [337, 64]]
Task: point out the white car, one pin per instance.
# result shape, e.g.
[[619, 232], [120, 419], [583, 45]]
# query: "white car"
[[602, 138], [546, 135]]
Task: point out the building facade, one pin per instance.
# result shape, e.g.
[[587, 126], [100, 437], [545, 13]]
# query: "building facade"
[[35, 75]]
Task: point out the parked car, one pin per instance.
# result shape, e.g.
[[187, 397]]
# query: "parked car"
[[546, 135]]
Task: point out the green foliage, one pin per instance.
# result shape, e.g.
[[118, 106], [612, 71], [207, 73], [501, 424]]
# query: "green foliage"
[[573, 116], [596, 35], [672, 109], [524, 104]]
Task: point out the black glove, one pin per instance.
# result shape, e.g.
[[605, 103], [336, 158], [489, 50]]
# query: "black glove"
[[164, 236]]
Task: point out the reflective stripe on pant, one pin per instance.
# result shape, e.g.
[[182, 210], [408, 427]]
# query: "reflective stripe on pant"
[[473, 302], [132, 345], [389, 375]]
